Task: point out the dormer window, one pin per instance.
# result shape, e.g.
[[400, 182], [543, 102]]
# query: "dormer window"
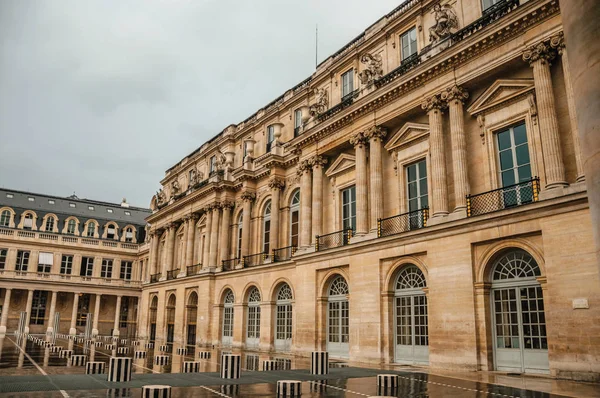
[[270, 137], [50, 201], [109, 210], [50, 224], [28, 222], [127, 213], [71, 227], [71, 204], [91, 230], [110, 232], [91, 208], [31, 199], [10, 195], [5, 218], [347, 84], [129, 235]]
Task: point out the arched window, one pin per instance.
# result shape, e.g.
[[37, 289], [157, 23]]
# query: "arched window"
[[111, 231], [283, 318], [410, 277], [71, 225], [171, 318], [129, 234], [5, 218], [91, 229], [338, 311], [239, 236], [515, 264], [227, 332], [253, 328], [50, 224], [338, 287], [267, 228], [152, 317], [191, 318], [295, 218], [28, 221]]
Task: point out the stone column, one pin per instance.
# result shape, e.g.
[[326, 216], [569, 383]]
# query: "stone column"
[[5, 309], [375, 135], [96, 315], [72, 327], [455, 97], [247, 197], [539, 57], [581, 22], [558, 43], [317, 163], [362, 217], [276, 184], [214, 237], [225, 230], [191, 237], [28, 309], [207, 233], [172, 231], [154, 245], [304, 170], [434, 107], [50, 328], [116, 331]]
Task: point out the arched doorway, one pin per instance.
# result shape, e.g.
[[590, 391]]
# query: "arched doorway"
[[171, 319], [411, 317], [227, 332], [520, 342], [283, 318], [152, 318], [191, 315], [338, 318], [253, 319]]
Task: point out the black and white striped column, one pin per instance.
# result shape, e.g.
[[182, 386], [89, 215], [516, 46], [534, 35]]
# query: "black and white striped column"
[[163, 348], [119, 369], [109, 347], [387, 383], [191, 366], [94, 368], [319, 363], [124, 341], [270, 364], [162, 360], [289, 388], [230, 366], [182, 351], [156, 391], [123, 350], [98, 344], [78, 360], [284, 363], [139, 354], [149, 346], [135, 343], [203, 354], [55, 348], [65, 354]]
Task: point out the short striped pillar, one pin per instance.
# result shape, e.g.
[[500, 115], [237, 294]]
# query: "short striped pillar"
[[204, 354], [230, 366], [109, 346], [149, 345], [162, 360], [135, 343], [181, 351], [94, 368], [156, 391], [289, 388], [163, 348], [319, 363], [191, 366], [65, 354], [270, 364], [123, 350], [78, 360], [123, 341], [98, 344], [387, 383], [55, 348], [119, 369], [139, 354]]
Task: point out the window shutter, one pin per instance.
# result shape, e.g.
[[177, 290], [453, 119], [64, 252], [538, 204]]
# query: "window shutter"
[[46, 259], [28, 223]]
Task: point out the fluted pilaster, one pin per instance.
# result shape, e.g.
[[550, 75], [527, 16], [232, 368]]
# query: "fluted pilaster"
[[434, 107], [190, 239], [168, 266], [305, 170], [226, 206], [214, 236], [248, 198], [276, 184], [207, 235], [317, 163], [360, 147], [375, 135]]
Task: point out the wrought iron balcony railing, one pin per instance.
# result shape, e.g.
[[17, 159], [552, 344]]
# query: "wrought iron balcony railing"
[[230, 264], [333, 239], [172, 274], [154, 278], [402, 222], [255, 259], [503, 198], [284, 253], [192, 269]]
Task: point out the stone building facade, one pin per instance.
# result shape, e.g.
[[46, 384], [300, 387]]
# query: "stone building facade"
[[71, 257]]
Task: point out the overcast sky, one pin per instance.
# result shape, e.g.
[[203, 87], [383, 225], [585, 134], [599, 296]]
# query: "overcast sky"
[[101, 97]]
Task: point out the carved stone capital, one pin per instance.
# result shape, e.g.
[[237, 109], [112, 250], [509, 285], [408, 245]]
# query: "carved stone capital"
[[276, 183], [558, 42], [359, 140], [303, 167], [375, 133], [539, 52], [227, 205], [248, 196], [454, 93], [172, 225], [318, 161], [433, 103]]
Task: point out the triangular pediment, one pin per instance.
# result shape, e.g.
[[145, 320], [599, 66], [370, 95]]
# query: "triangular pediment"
[[408, 133], [501, 91], [343, 163]]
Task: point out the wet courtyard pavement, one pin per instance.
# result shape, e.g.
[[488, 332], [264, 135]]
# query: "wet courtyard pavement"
[[30, 370]]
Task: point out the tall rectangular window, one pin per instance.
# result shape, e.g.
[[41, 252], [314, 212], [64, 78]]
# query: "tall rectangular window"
[[28, 222], [245, 146], [106, 270], [416, 180], [270, 137], [212, 164], [126, 267], [5, 218], [111, 232], [82, 309], [408, 42], [91, 229], [347, 83], [485, 4], [38, 307], [50, 224], [87, 266], [3, 255], [45, 262], [349, 208], [66, 264], [22, 260], [513, 155], [124, 312], [297, 122]]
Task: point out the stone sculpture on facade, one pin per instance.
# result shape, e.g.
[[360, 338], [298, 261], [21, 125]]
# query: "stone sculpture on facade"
[[161, 198], [446, 23], [193, 177], [374, 69], [322, 102], [175, 188]]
